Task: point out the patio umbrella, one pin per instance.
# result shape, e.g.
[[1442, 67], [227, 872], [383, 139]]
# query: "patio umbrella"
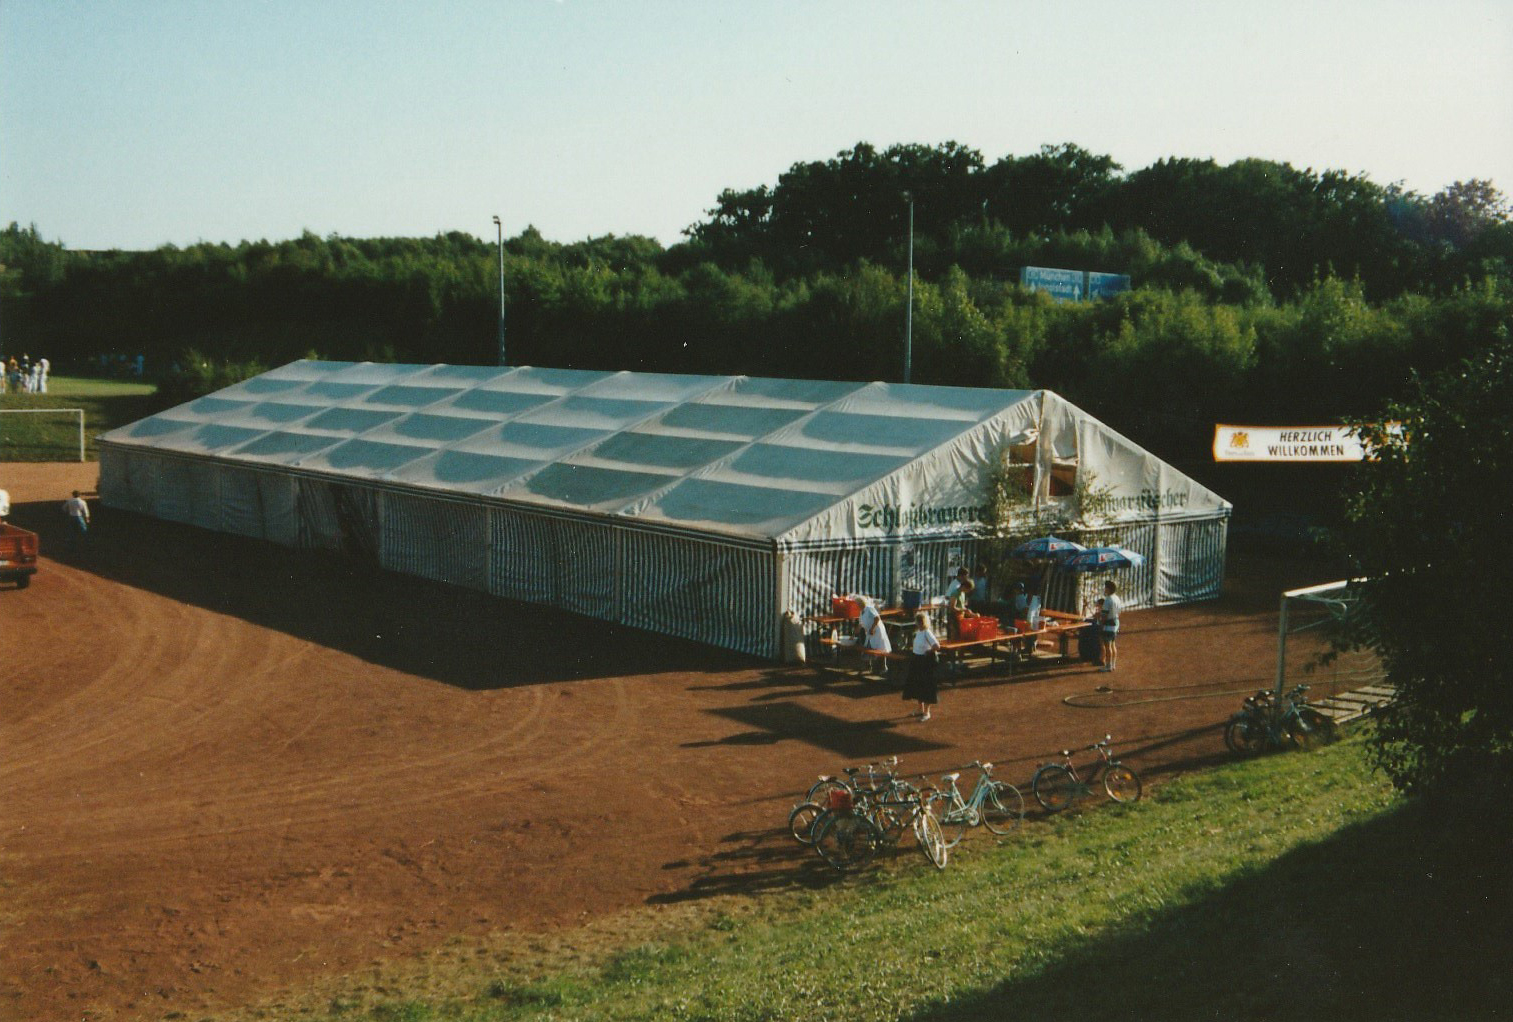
[[1046, 548], [1103, 558]]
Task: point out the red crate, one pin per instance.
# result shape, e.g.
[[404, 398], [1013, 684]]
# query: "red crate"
[[974, 628], [843, 606]]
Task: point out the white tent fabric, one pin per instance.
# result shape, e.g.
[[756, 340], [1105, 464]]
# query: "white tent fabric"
[[438, 470]]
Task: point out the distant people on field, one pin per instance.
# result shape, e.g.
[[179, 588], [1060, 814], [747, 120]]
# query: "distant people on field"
[[24, 375]]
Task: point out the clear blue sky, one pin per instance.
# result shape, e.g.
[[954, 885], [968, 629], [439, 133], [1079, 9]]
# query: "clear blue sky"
[[134, 123]]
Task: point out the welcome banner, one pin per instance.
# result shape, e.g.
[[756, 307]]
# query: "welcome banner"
[[1287, 443]]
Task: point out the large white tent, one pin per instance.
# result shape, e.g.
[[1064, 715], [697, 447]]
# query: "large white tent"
[[696, 506]]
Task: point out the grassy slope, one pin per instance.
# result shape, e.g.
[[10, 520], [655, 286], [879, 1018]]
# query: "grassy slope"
[[106, 403], [1295, 886]]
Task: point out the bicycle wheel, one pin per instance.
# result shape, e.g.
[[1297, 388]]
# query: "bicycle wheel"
[[847, 842], [801, 821], [931, 841], [1003, 808], [1054, 787], [951, 815], [1245, 736], [820, 791], [1122, 783], [1321, 727]]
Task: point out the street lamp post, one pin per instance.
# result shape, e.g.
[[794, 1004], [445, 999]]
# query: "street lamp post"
[[909, 311], [500, 228]]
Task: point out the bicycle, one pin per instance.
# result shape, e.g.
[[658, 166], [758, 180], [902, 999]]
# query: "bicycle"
[[881, 777], [1260, 724], [995, 804], [853, 829], [1057, 785]]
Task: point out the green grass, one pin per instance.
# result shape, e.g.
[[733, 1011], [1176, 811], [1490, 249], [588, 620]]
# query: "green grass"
[[107, 404], [1291, 887]]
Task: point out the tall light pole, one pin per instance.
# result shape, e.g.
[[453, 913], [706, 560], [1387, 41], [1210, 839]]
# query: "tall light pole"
[[909, 312], [500, 228]]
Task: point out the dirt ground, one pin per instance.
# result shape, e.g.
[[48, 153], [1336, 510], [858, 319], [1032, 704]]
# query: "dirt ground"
[[231, 768]]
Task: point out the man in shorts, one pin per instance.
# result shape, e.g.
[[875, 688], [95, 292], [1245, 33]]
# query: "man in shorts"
[[1108, 622]]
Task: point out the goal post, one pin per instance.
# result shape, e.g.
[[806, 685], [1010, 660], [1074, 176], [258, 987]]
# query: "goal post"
[[1311, 640], [30, 436]]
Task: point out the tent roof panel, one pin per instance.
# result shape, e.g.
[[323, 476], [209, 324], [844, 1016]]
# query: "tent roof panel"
[[400, 396], [587, 486], [714, 503], [498, 402], [350, 420], [663, 451]]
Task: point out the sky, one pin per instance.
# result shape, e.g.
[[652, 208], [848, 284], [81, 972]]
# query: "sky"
[[136, 123]]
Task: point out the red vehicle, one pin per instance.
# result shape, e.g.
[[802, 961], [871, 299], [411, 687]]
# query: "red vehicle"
[[18, 554]]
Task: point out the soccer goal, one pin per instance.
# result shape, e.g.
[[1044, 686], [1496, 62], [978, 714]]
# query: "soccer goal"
[[27, 434], [1312, 649]]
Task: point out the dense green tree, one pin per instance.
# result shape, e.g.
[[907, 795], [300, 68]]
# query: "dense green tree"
[[1060, 188], [1427, 525]]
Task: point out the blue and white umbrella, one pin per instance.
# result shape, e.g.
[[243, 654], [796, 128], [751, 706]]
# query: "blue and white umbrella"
[[1046, 548], [1102, 558]]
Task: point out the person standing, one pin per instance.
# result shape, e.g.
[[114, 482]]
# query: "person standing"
[[962, 576], [920, 685], [78, 511], [980, 584], [958, 609], [44, 369], [1108, 620], [874, 633]]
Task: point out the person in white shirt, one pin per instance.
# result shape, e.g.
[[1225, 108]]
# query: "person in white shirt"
[[78, 511], [5, 504], [1109, 623], [874, 633], [920, 685], [44, 367], [962, 575]]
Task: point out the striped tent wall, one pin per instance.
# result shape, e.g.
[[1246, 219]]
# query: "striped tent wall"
[[1184, 562], [719, 593], [443, 540], [552, 560], [882, 571]]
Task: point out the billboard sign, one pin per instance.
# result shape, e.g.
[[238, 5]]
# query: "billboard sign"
[[1103, 285], [1287, 443], [1062, 285], [1072, 285]]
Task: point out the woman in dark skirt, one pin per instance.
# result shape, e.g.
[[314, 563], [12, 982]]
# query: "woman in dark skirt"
[[920, 685]]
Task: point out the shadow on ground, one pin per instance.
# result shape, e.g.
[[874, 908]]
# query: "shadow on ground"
[[1402, 917], [456, 636]]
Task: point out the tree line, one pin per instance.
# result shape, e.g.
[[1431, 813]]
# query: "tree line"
[[1261, 291]]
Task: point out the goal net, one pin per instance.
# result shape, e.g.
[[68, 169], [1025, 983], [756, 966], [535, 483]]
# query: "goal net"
[[1312, 648], [41, 434]]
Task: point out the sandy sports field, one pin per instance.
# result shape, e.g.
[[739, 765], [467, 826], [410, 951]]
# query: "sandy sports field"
[[231, 768]]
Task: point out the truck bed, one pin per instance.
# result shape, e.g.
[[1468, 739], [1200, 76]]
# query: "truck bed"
[[18, 554]]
